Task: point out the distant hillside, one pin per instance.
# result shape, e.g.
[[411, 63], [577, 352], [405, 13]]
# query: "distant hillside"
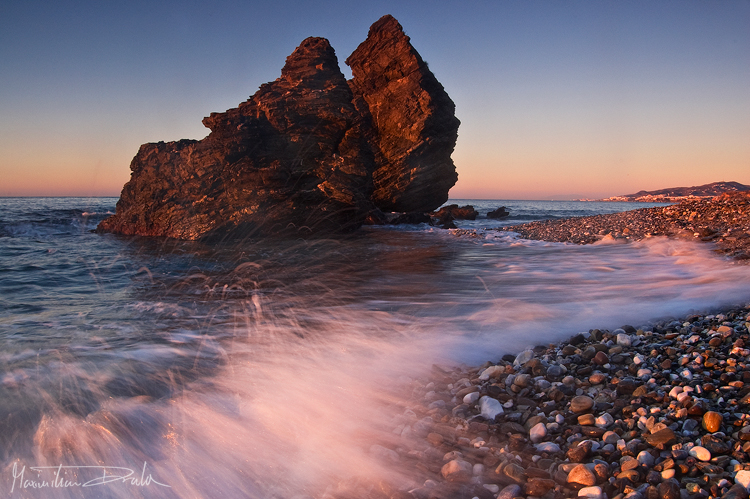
[[682, 193]]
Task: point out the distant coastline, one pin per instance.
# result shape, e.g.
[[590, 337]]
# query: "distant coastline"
[[679, 194]]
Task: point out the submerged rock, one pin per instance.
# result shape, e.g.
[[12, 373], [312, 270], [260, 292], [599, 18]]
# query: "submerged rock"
[[301, 154]]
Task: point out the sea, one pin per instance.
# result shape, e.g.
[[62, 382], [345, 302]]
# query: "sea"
[[154, 368]]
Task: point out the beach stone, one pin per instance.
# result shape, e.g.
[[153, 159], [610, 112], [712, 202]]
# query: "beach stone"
[[610, 437], [700, 453], [669, 489], [471, 398], [457, 471], [736, 491], [661, 438], [489, 407], [624, 339], [582, 475], [605, 420], [600, 358], [580, 452], [625, 387], [667, 474], [537, 487], [712, 421], [492, 372], [555, 372], [549, 447], [743, 478], [591, 492], [581, 403], [645, 458], [522, 380], [586, 420], [510, 492], [523, 357], [628, 463], [538, 432], [715, 445], [515, 472], [597, 378]]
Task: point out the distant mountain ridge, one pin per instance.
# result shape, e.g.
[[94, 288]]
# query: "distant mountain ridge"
[[682, 193]]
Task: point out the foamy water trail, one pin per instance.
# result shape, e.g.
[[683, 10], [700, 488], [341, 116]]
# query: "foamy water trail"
[[313, 384]]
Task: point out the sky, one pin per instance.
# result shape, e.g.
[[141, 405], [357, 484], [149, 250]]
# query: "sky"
[[556, 99]]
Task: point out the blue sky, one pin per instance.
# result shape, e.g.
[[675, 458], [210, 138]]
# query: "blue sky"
[[555, 98]]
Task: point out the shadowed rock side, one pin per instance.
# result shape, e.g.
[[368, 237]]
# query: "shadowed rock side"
[[414, 122], [291, 158], [309, 152]]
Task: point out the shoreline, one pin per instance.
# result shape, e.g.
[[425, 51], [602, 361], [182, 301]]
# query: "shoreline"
[[658, 412], [654, 412], [723, 221]]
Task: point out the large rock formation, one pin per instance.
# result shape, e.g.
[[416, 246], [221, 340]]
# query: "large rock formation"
[[414, 119], [300, 155]]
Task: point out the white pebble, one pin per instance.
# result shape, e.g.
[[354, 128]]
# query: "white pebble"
[[523, 358], [700, 453], [551, 447], [471, 398], [743, 478], [491, 372], [591, 492], [538, 432], [676, 390], [645, 458], [667, 474], [489, 407], [604, 420]]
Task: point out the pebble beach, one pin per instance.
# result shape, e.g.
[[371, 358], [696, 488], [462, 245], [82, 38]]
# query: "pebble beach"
[[652, 411]]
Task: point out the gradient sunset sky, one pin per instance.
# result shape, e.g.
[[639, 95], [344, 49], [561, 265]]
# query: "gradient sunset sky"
[[556, 98]]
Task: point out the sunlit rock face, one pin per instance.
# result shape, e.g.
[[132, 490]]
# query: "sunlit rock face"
[[291, 158], [306, 153], [413, 118]]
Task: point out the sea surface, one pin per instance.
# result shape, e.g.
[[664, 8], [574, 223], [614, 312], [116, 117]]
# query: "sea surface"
[[136, 367]]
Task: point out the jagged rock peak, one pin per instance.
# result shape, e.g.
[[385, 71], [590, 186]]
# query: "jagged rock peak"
[[313, 59], [305, 152], [413, 118]]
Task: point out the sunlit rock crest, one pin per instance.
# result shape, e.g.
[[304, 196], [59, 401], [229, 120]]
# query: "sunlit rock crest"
[[413, 117], [301, 154]]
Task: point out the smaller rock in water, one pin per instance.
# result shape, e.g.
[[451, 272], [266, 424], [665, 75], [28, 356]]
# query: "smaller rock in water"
[[624, 339], [501, 212], [523, 357]]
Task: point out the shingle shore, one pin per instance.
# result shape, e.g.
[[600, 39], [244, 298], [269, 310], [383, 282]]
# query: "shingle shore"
[[654, 412], [658, 412], [723, 220]]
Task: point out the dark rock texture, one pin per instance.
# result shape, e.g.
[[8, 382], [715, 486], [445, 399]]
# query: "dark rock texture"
[[300, 155], [291, 156], [415, 127]]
